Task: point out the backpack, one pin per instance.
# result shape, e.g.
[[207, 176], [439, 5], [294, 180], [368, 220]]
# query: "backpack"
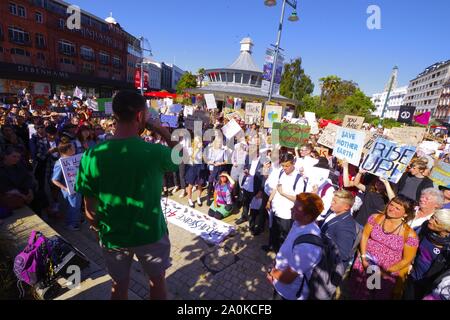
[[34, 263], [297, 178], [327, 275]]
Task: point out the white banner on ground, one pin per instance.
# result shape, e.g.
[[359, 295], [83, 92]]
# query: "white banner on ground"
[[70, 167], [208, 228]]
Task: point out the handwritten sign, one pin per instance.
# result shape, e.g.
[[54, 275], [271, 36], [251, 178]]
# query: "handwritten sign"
[[292, 135], [371, 137], [253, 113], [411, 136], [441, 174], [310, 117], [209, 229], [323, 152], [388, 159], [272, 114], [231, 129], [105, 105], [70, 167], [349, 145], [328, 137], [353, 122], [169, 121], [210, 101]]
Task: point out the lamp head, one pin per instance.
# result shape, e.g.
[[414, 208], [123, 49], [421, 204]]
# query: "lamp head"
[[270, 3], [293, 17]]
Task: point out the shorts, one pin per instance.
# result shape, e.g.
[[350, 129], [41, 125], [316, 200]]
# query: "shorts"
[[154, 258]]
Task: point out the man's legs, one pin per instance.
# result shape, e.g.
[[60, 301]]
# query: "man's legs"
[[118, 263]]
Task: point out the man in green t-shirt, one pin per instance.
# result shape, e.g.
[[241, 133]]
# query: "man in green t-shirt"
[[121, 181]]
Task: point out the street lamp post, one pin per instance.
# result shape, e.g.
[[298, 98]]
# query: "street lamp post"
[[293, 18], [142, 39]]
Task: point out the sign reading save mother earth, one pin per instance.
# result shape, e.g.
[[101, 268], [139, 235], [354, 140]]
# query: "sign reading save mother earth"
[[292, 135]]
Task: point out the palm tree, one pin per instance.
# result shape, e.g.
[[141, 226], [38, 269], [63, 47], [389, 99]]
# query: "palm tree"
[[201, 76]]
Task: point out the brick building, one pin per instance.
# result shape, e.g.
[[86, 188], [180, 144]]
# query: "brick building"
[[39, 51]]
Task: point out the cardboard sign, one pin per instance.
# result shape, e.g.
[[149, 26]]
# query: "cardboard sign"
[[353, 122], [272, 114], [234, 115], [371, 137], [231, 129], [169, 121], [198, 115], [310, 117], [70, 167], [323, 152], [328, 137], [314, 128], [292, 135], [441, 174], [410, 136], [253, 113], [349, 145], [388, 159], [188, 111], [210, 101], [209, 229]]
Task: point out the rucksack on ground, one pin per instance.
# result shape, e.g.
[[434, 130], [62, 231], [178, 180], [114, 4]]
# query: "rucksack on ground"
[[328, 273], [34, 263]]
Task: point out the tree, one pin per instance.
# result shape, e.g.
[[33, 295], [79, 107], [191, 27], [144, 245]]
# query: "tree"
[[295, 84], [187, 81], [201, 75], [357, 104]]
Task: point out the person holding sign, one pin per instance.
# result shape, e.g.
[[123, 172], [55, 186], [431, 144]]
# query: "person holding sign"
[[412, 184], [121, 180], [72, 202]]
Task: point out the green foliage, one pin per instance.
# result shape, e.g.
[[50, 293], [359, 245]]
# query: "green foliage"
[[295, 84], [357, 104], [187, 81]]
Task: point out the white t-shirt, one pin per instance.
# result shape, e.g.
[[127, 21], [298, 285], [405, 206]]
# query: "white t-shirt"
[[282, 206], [302, 259], [302, 164], [250, 179], [215, 155]]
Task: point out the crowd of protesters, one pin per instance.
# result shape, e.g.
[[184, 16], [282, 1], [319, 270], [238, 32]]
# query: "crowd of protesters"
[[403, 229]]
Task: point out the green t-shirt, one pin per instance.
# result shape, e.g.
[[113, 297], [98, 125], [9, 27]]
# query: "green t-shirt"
[[126, 177]]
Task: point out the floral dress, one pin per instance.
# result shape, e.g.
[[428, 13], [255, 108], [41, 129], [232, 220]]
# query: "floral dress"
[[384, 250]]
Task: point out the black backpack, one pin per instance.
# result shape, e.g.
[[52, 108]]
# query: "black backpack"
[[328, 273]]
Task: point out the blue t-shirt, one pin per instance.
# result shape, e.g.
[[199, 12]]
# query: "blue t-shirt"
[[446, 206], [426, 254], [58, 175]]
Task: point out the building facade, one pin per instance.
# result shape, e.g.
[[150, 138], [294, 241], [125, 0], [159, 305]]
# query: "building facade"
[[166, 77], [154, 70], [38, 51], [177, 73], [396, 99], [424, 91], [443, 107]]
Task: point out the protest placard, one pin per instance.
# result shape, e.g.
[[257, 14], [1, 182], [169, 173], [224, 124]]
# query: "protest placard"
[[231, 129], [328, 137], [371, 137], [210, 101], [353, 122], [105, 105], [253, 113], [410, 136], [272, 114], [316, 176], [310, 117], [292, 135], [237, 103], [188, 111], [388, 159], [198, 115], [323, 152], [169, 121], [441, 174], [70, 167], [176, 108], [349, 145]]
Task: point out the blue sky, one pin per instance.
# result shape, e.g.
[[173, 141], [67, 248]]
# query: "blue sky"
[[331, 36]]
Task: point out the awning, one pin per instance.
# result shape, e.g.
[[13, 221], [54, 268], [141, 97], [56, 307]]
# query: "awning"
[[160, 94]]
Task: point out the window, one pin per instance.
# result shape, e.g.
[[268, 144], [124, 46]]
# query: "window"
[[21, 11], [13, 8], [18, 35], [104, 58], [40, 41], [40, 56], [39, 17], [116, 61], [19, 52], [87, 53], [66, 47], [61, 23], [67, 61]]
